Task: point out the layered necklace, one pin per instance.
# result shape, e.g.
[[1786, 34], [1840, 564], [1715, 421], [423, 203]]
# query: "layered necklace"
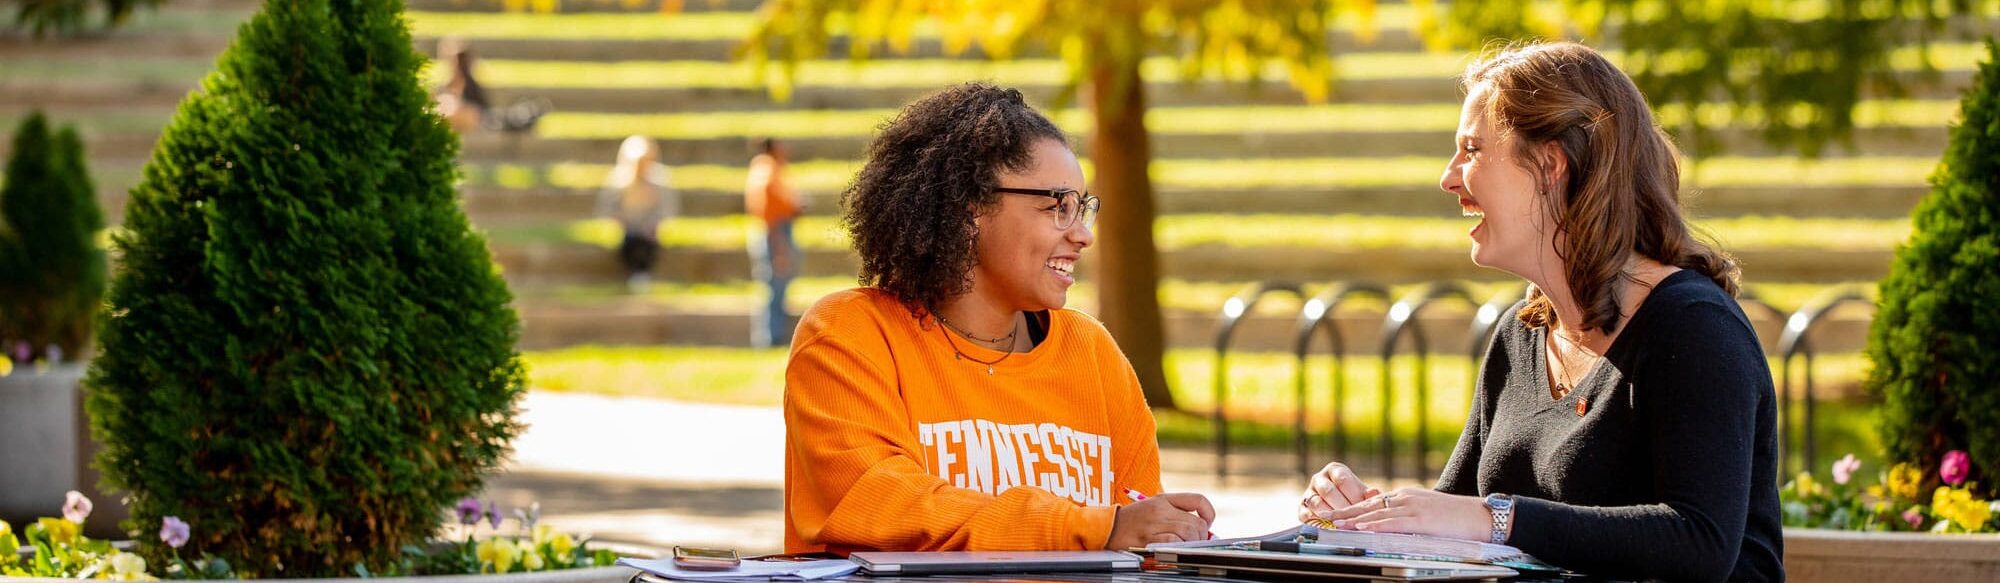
[[1564, 384], [1002, 343]]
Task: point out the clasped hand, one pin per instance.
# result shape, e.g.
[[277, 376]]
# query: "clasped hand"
[[1336, 495]]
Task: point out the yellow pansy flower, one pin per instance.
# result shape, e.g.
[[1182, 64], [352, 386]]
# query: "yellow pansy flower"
[[563, 547], [1903, 481]]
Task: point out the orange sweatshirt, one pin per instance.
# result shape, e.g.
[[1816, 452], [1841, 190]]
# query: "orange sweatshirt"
[[893, 443]]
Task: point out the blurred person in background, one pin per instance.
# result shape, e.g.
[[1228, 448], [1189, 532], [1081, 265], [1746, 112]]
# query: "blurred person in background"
[[464, 102], [774, 255], [637, 194]]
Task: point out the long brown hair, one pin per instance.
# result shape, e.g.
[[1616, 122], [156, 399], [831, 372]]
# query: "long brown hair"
[[1621, 192]]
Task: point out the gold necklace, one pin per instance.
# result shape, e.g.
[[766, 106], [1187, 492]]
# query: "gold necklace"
[[997, 341], [1564, 384], [959, 354]]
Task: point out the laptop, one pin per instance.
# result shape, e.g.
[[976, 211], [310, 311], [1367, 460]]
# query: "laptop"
[[960, 562], [1231, 562]]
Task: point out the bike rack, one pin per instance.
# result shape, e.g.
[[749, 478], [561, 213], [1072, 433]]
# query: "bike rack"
[[1793, 343], [1233, 311], [1315, 316], [1400, 315]]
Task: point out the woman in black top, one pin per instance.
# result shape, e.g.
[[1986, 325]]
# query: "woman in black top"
[[1623, 424]]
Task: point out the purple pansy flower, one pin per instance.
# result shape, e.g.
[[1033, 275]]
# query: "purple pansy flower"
[[173, 532], [468, 511]]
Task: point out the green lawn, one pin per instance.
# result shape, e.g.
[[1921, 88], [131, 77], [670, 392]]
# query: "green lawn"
[[1261, 389], [1264, 173], [1211, 120], [1036, 72], [1204, 297], [702, 25], [1341, 232]]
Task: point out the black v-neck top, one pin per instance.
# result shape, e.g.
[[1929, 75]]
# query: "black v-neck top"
[[1668, 469]]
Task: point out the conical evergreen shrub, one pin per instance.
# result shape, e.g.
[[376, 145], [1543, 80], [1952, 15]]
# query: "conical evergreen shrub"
[[51, 269], [307, 353], [1935, 342]]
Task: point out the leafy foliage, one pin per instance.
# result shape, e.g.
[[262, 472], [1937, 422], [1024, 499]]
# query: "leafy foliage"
[[65, 17], [1931, 342], [308, 351], [1800, 66], [51, 269], [1232, 39]]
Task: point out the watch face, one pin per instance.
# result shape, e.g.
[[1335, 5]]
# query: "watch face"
[[1499, 502]]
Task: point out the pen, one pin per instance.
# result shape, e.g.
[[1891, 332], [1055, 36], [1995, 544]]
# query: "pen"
[[1138, 497]]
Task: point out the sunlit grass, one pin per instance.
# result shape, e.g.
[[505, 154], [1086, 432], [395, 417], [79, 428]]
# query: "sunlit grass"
[[690, 26], [1247, 173], [1211, 120], [934, 72], [1176, 295], [1261, 389], [706, 25], [1342, 232]]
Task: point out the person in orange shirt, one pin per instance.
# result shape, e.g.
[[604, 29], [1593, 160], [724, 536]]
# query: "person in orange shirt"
[[952, 403], [774, 255]]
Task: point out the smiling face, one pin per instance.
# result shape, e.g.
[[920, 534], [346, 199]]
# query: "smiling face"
[[1025, 262], [1514, 233]]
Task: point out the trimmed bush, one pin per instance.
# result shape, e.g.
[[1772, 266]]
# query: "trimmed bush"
[[1935, 342], [308, 353], [51, 269]]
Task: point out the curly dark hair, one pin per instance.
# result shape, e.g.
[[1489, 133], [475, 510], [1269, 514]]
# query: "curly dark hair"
[[929, 173]]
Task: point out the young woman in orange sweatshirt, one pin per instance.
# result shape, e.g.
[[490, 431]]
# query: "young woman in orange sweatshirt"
[[952, 403]]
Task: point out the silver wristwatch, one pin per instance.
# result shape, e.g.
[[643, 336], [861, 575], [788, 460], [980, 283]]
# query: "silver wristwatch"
[[1502, 507]]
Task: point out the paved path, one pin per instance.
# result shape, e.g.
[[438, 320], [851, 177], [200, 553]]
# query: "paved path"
[[665, 472]]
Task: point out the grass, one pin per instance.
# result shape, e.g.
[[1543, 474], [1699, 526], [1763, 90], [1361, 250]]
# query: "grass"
[[1194, 121], [1036, 72], [1212, 120], [693, 25], [1341, 232], [1176, 295], [1264, 173], [1261, 390]]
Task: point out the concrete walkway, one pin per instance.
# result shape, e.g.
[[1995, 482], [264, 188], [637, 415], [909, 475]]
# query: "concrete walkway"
[[663, 473]]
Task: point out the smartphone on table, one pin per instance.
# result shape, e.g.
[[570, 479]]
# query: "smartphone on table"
[[700, 559]]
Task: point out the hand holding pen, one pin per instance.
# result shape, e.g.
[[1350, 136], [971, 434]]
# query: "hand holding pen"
[[1171, 517]]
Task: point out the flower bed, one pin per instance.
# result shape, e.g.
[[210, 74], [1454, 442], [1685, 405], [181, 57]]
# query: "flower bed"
[[1889, 531], [55, 548]]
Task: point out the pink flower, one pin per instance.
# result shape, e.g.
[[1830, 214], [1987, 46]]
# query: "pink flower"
[[1916, 519], [173, 531], [1956, 465], [76, 507], [1844, 469]]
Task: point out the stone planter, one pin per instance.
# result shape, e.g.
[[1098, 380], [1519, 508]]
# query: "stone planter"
[[612, 574], [1819, 555], [46, 450]]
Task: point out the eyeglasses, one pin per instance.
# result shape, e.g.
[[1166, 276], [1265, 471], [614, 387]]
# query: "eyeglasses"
[[1071, 206]]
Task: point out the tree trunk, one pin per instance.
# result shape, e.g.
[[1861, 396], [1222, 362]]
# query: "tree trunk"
[[1127, 265]]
